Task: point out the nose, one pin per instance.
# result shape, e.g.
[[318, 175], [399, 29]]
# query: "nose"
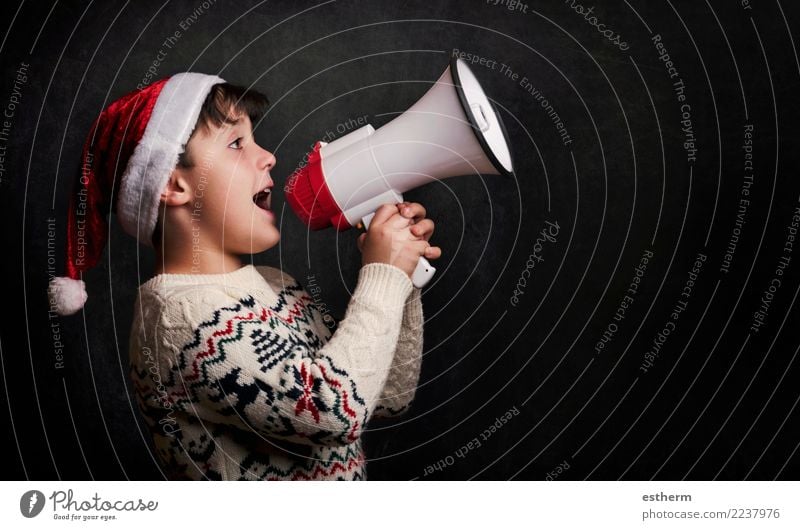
[[266, 160]]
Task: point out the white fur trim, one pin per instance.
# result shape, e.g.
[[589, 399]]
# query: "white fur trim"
[[155, 157], [67, 296]]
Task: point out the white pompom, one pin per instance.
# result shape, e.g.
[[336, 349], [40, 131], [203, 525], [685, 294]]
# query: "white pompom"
[[67, 296]]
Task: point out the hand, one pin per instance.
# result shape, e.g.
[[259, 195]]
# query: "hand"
[[398, 235], [421, 227]]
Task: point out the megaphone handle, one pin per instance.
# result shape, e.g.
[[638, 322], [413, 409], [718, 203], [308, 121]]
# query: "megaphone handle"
[[423, 273], [424, 270]]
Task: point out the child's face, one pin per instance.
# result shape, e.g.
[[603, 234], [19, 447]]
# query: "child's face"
[[228, 169]]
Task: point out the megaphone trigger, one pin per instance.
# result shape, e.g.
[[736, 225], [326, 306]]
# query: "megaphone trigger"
[[366, 220]]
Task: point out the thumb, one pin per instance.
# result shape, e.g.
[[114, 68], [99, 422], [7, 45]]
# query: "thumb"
[[360, 241], [383, 213]]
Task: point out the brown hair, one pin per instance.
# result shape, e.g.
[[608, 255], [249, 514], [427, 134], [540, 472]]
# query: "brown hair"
[[223, 104]]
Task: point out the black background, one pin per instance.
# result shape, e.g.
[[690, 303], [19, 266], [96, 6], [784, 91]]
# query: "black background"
[[720, 401]]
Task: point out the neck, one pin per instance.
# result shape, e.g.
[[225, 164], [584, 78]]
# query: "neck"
[[194, 259]]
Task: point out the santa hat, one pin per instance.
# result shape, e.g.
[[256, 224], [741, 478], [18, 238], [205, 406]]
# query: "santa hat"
[[129, 154]]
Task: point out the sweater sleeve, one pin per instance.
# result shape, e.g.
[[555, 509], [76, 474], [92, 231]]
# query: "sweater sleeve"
[[241, 368], [401, 384]]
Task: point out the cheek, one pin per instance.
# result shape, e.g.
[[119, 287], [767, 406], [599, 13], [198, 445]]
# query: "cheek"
[[228, 201], [239, 219]]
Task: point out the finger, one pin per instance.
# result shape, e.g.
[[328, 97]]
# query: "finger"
[[423, 229], [433, 253], [413, 210], [360, 241], [420, 247], [397, 221], [383, 213]]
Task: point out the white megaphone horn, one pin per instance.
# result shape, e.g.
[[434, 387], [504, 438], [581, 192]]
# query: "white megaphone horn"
[[452, 130]]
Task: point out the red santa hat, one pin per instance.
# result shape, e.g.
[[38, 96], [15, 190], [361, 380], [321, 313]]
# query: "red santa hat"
[[129, 154]]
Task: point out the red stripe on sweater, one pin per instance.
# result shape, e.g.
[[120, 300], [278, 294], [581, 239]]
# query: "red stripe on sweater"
[[321, 471], [212, 350]]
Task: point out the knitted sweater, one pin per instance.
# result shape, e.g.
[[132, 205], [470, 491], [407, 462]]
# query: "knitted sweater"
[[239, 378]]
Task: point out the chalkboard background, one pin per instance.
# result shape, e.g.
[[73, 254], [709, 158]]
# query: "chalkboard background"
[[690, 164]]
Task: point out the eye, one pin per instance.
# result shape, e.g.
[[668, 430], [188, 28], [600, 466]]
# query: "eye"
[[236, 144]]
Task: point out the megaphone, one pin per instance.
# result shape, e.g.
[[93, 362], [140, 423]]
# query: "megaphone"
[[452, 130]]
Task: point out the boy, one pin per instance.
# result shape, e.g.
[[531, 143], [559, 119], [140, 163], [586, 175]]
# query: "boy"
[[236, 374]]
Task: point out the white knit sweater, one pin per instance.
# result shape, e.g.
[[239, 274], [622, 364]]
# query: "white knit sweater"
[[238, 377]]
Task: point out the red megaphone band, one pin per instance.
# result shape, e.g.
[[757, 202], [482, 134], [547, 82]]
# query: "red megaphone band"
[[308, 195]]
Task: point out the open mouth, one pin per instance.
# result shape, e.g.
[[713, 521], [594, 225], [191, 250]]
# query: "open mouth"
[[263, 199]]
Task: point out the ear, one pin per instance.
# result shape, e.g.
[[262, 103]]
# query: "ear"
[[177, 191]]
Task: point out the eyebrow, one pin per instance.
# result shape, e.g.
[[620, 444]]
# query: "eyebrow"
[[233, 132], [238, 123]]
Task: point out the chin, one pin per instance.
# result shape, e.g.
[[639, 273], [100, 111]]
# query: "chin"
[[261, 246]]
